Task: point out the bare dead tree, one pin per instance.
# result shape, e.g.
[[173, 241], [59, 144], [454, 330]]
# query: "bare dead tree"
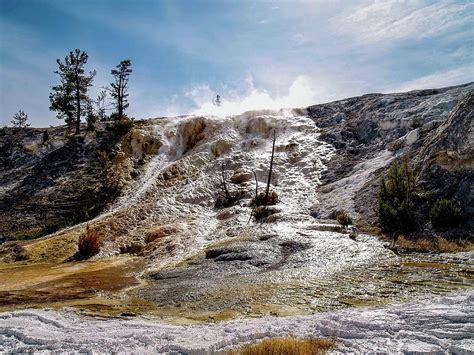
[[256, 184], [267, 191], [261, 201], [256, 195], [226, 198], [224, 185]]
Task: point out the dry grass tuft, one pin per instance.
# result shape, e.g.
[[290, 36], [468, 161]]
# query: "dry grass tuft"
[[343, 218], [286, 346], [263, 212], [89, 243], [262, 200], [161, 232], [435, 245], [225, 201]]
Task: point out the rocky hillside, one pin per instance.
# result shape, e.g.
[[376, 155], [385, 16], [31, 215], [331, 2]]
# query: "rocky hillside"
[[51, 179], [434, 128]]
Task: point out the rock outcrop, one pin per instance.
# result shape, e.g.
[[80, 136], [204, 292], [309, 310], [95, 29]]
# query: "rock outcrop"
[[433, 128], [446, 161]]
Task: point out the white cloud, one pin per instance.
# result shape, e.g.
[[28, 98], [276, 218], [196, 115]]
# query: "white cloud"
[[391, 20], [301, 93], [455, 76], [300, 38]]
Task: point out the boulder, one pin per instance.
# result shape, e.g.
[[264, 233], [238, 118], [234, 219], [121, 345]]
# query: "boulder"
[[240, 176]]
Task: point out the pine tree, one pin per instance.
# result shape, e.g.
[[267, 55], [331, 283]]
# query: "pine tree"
[[100, 105], [20, 119], [396, 209], [119, 90], [69, 99]]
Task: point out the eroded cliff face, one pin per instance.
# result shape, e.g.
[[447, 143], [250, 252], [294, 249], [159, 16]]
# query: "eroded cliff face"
[[446, 160]]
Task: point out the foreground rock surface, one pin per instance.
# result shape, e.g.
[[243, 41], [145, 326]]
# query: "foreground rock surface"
[[443, 324]]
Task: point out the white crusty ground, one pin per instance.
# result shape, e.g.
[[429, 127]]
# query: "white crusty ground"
[[443, 324]]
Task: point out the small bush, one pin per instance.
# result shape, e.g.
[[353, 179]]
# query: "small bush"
[[224, 201], [71, 138], [262, 212], [343, 218], [262, 200], [91, 119], [287, 346], [445, 214], [396, 208], [121, 127], [45, 136], [89, 243]]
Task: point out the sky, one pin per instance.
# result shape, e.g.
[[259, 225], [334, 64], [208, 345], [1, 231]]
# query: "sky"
[[254, 54]]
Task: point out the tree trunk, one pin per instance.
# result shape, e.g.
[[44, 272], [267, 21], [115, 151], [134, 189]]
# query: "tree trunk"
[[256, 185], [227, 194], [120, 106], [267, 192], [78, 103]]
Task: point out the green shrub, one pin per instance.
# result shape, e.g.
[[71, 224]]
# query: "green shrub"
[[71, 138], [121, 127], [343, 218], [396, 208], [91, 119], [445, 214]]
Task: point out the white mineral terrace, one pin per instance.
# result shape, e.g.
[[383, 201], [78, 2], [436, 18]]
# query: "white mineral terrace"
[[438, 324]]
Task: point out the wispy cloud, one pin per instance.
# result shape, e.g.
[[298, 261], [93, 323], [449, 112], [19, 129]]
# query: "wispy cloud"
[[455, 76], [184, 53], [392, 20]]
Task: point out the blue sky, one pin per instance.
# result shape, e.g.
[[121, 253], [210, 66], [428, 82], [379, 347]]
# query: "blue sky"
[[255, 54]]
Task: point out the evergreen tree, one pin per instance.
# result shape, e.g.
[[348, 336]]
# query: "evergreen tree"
[[396, 207], [91, 117], [119, 90], [69, 99], [100, 105], [20, 119]]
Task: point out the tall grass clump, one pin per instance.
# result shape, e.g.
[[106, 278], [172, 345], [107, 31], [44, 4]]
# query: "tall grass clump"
[[89, 243], [343, 218], [287, 346]]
